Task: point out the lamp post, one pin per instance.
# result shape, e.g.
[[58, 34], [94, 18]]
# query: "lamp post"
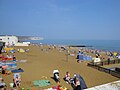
[[67, 53]]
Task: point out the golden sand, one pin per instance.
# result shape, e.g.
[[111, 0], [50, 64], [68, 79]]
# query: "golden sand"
[[40, 65]]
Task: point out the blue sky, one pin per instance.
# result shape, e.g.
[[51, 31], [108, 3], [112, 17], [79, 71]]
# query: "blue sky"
[[61, 19]]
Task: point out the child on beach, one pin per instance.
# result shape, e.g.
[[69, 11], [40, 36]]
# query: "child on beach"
[[67, 77]]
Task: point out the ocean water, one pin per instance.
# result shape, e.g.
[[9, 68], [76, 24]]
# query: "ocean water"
[[109, 45]]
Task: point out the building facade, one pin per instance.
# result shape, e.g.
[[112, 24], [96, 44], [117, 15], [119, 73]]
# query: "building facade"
[[9, 40]]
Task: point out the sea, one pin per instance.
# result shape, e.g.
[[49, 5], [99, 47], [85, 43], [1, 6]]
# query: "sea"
[[107, 45]]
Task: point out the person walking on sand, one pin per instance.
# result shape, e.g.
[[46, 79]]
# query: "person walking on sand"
[[80, 57]]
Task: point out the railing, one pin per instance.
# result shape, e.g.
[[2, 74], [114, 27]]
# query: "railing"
[[98, 67]]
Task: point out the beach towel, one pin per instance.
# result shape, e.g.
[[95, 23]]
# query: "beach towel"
[[23, 61], [17, 70], [41, 83], [5, 67], [11, 64]]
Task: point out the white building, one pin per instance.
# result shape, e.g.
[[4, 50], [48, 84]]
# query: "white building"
[[9, 40]]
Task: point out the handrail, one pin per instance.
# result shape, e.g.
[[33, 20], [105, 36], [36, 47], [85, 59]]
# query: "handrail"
[[98, 67]]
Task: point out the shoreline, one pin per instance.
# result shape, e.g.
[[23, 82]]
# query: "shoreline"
[[104, 45]]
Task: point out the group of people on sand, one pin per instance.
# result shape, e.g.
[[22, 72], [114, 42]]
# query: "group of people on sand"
[[16, 83], [103, 55], [16, 80], [76, 82], [3, 68]]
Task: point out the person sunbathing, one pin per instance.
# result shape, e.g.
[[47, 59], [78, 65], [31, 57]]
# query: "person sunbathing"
[[17, 82], [2, 84], [5, 72]]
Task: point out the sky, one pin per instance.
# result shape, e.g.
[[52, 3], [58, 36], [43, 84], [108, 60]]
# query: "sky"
[[61, 19]]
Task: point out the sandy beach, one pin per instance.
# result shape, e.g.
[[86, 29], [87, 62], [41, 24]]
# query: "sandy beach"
[[40, 65], [78, 38]]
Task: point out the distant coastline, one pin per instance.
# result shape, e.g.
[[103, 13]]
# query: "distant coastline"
[[79, 46], [24, 38], [108, 45]]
